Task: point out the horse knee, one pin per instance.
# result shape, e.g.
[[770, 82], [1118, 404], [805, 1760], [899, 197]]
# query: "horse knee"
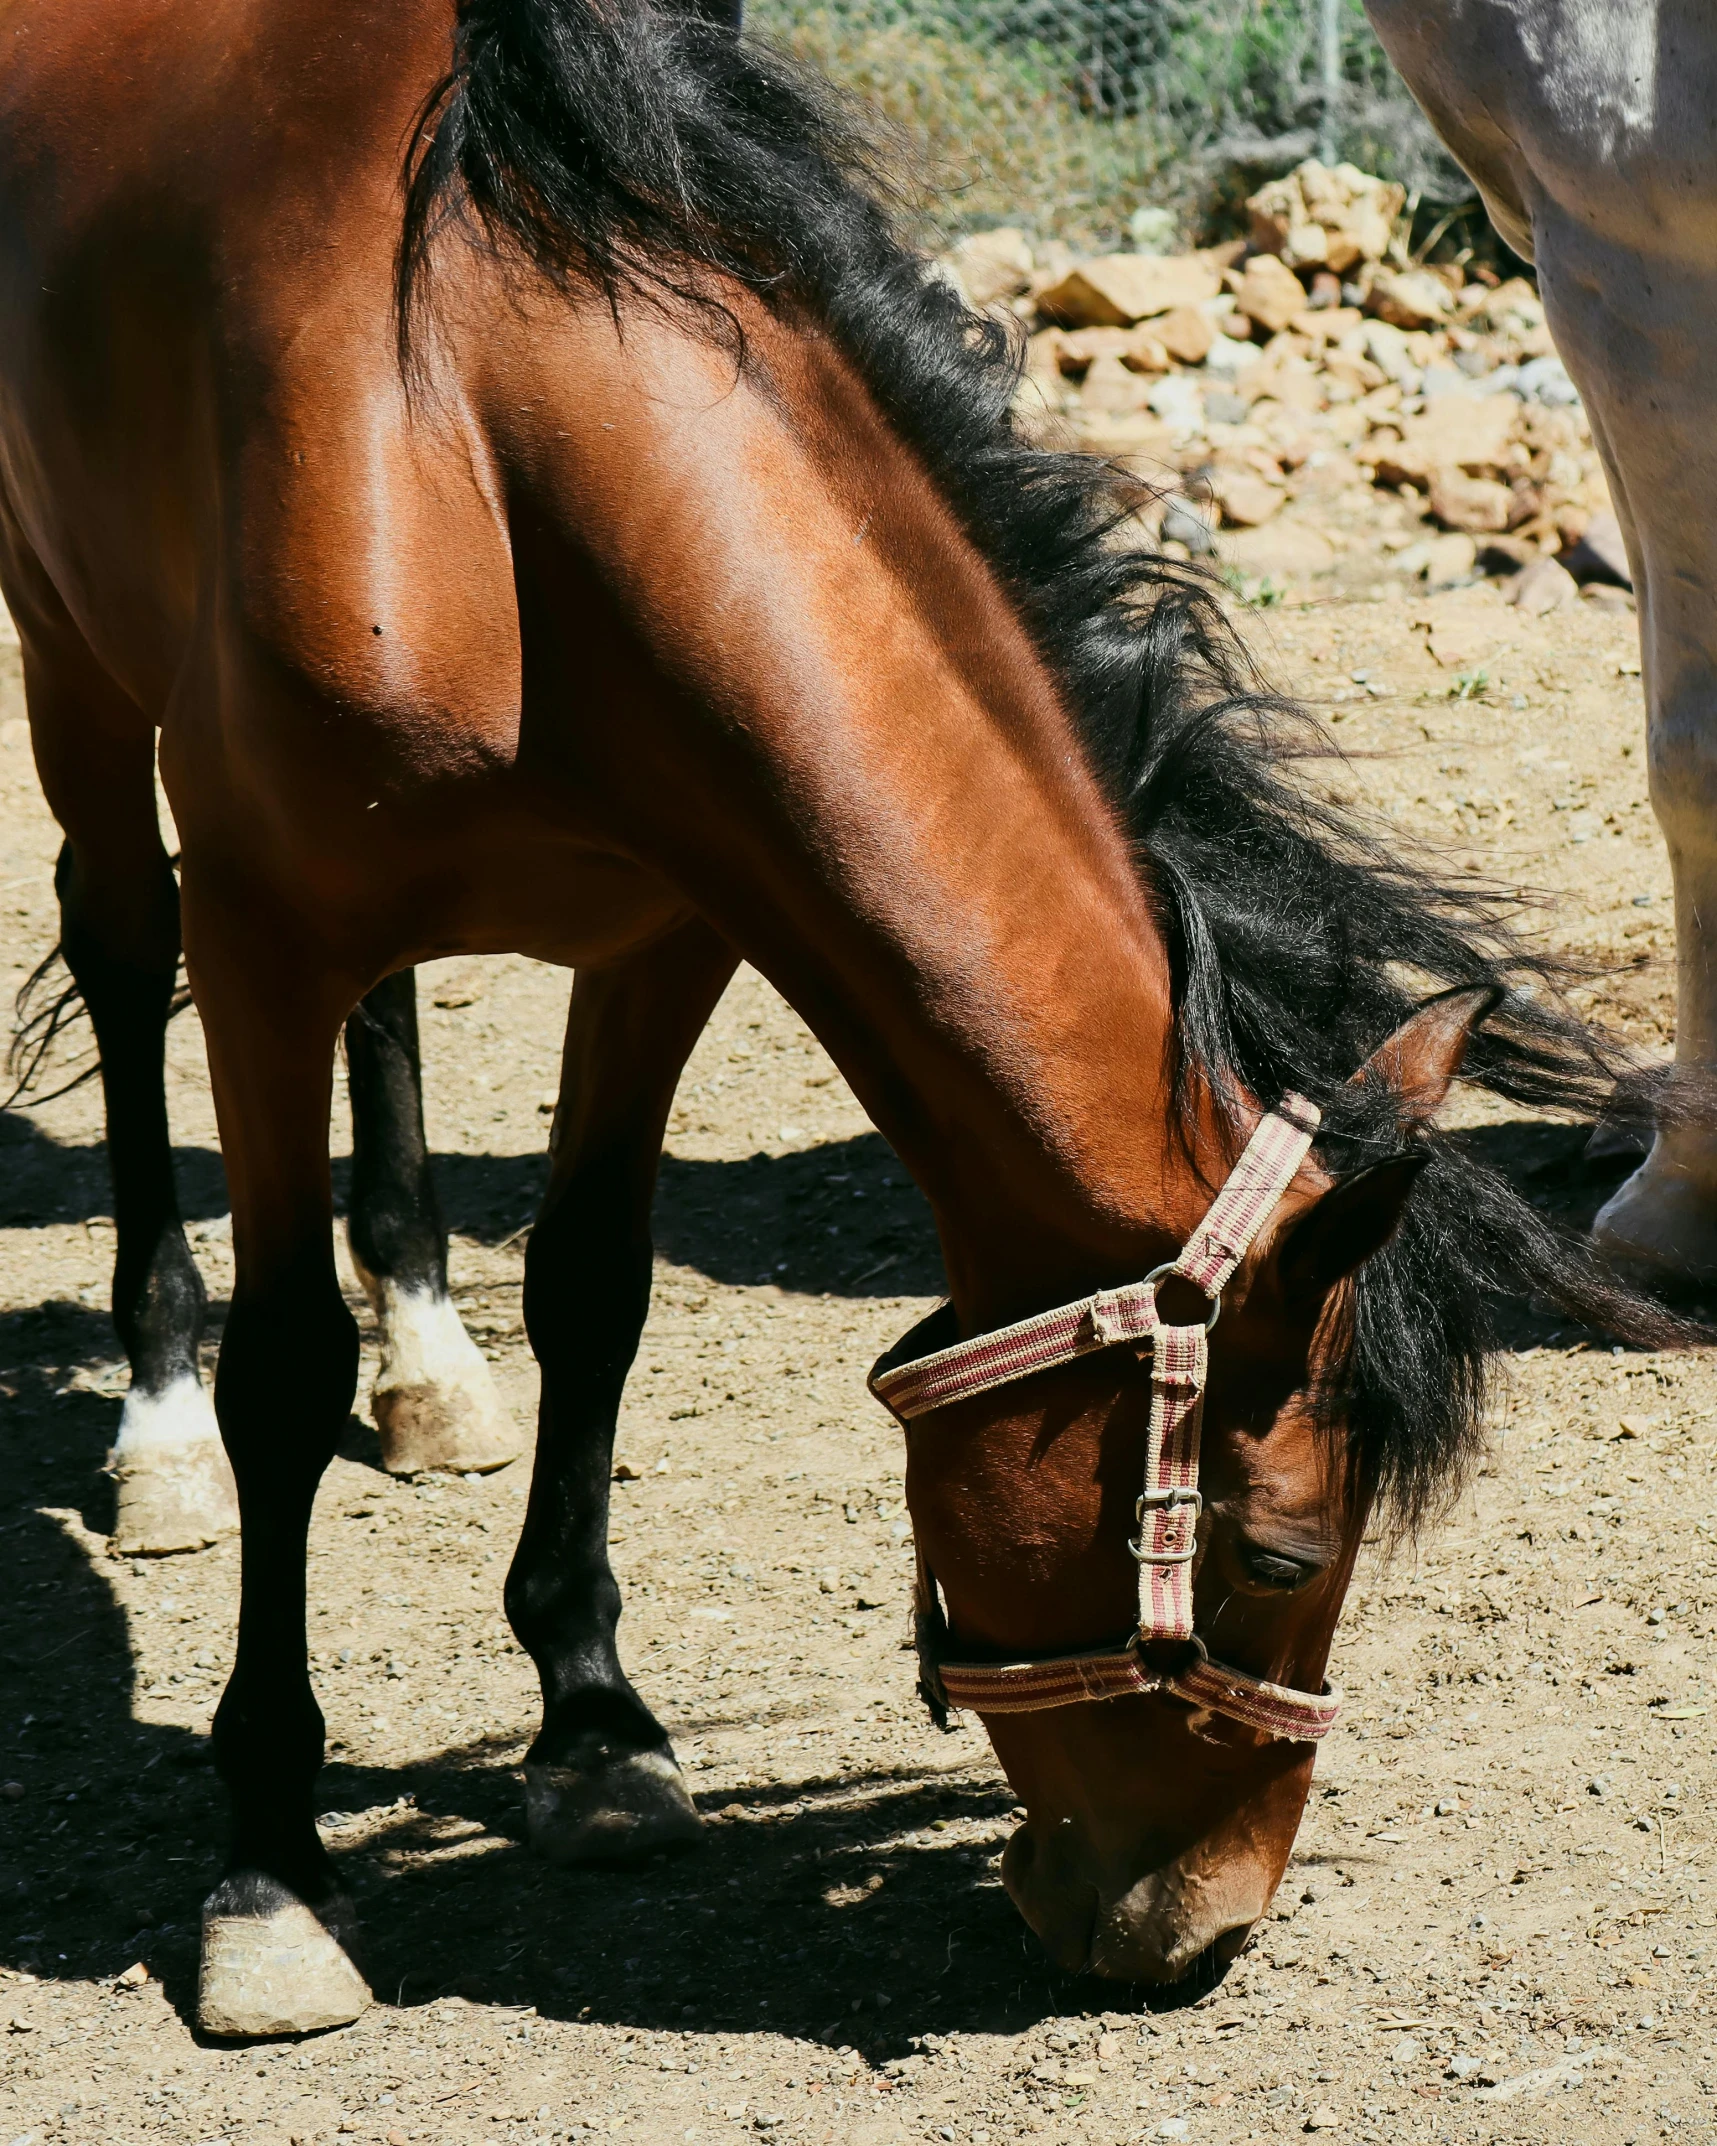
[[286, 1379], [1682, 749]]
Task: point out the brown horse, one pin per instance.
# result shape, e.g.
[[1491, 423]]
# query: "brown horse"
[[626, 556]]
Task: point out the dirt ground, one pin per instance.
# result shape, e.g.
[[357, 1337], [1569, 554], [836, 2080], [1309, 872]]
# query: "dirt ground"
[[1498, 1923]]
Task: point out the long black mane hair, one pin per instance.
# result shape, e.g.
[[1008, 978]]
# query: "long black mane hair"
[[633, 147]]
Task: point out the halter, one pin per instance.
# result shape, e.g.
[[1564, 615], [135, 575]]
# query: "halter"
[[1168, 1507]]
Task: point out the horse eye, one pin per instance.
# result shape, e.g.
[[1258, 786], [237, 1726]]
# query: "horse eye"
[[1276, 1571]]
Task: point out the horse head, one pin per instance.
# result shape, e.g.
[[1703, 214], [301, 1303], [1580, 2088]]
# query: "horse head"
[[1164, 1768]]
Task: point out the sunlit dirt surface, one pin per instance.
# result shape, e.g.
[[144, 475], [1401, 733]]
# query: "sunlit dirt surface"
[[1496, 1924]]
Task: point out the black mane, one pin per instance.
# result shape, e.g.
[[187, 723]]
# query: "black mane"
[[623, 144]]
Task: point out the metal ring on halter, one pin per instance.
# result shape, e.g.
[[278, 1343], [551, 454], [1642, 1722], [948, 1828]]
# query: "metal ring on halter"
[[1176, 1496], [1168, 1267]]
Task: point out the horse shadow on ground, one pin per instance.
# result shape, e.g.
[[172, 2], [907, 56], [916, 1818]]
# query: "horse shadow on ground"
[[811, 1902], [862, 1909], [840, 1219]]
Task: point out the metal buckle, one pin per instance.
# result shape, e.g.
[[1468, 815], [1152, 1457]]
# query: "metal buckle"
[[1170, 1500], [1168, 1267]]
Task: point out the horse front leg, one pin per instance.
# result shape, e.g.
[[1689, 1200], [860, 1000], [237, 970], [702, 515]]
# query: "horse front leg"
[[275, 1929], [435, 1403], [601, 1781]]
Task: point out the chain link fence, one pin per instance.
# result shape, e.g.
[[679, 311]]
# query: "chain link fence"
[[1072, 116]]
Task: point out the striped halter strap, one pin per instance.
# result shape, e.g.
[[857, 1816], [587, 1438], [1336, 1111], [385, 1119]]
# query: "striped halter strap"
[[1168, 1506]]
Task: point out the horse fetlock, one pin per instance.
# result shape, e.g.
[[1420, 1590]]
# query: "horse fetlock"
[[619, 1810], [174, 1486], [435, 1403], [271, 1964]]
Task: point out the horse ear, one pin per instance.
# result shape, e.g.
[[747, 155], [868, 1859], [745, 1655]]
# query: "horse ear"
[[1353, 1219], [1423, 1056]]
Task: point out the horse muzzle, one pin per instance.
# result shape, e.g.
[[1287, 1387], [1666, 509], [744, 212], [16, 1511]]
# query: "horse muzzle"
[[1182, 1921]]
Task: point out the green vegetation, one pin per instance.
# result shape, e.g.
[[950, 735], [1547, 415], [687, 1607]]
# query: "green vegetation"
[[1068, 115]]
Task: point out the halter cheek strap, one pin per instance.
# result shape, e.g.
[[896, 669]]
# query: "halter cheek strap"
[[1169, 1504]]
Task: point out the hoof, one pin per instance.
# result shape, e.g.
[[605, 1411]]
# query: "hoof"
[[175, 1487], [1615, 1141], [620, 1812], [1662, 1225], [435, 1403], [273, 1966]]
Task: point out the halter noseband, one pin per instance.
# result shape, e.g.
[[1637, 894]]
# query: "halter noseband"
[[1169, 1504]]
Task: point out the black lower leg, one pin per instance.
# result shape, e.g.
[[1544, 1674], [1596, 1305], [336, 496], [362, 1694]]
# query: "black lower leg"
[[587, 1293], [396, 1226], [288, 1371], [158, 1296]]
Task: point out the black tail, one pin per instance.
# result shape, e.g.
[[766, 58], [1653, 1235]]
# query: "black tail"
[[48, 1003], [50, 1006]]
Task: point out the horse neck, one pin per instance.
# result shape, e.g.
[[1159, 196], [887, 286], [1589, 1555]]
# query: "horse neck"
[[872, 785]]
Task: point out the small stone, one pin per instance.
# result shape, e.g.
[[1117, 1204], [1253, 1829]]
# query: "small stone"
[[1474, 435], [397, 2138], [1598, 1785], [1121, 288], [1322, 2118], [1282, 551], [13, 1791], [1247, 501], [989, 266], [1112, 385], [1450, 560], [1151, 230], [1185, 522], [1543, 587], [1179, 403], [1601, 555], [624, 1472], [1463, 2067], [133, 1977], [1186, 334], [546, 1104], [1634, 1426], [1507, 554], [1410, 299], [1475, 504], [1603, 597], [1223, 407], [1270, 293], [1173, 2127]]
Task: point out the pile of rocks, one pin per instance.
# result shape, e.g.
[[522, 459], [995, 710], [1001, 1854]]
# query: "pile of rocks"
[[1316, 354]]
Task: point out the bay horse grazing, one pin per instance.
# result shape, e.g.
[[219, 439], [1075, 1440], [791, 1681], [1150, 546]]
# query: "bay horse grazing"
[[1587, 130], [626, 555]]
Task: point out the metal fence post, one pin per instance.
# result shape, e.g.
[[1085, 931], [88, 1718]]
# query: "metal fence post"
[[1330, 53]]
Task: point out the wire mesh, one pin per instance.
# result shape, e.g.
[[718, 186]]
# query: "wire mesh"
[[1071, 116]]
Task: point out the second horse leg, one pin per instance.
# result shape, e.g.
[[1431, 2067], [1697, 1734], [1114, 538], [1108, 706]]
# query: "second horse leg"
[[435, 1402]]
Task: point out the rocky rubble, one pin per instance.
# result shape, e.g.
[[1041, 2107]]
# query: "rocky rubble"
[[1313, 356]]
